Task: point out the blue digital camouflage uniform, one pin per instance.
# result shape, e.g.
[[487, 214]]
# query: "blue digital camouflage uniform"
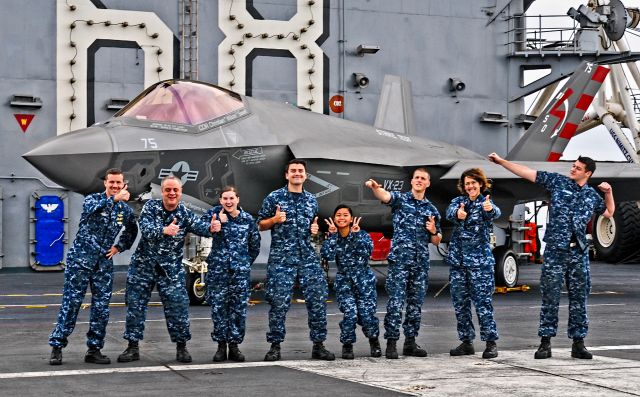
[[87, 265], [158, 261], [471, 271], [233, 251], [292, 255], [571, 208], [355, 283], [408, 263]]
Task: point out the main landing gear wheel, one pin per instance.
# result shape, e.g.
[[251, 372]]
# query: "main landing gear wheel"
[[195, 291], [506, 267], [616, 238]]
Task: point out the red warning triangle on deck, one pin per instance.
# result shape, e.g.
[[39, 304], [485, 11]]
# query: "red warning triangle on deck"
[[24, 120]]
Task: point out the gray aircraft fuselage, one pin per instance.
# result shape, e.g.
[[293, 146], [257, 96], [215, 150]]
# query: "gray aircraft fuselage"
[[249, 146]]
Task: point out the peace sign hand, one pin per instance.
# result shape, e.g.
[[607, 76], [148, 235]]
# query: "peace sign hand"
[[355, 228], [332, 226]]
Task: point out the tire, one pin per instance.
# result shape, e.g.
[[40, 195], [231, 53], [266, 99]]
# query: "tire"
[[507, 270], [196, 294], [616, 238]]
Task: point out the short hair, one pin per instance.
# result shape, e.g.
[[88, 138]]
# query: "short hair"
[[589, 163], [341, 206], [477, 175], [113, 171], [295, 161], [229, 189], [422, 169], [170, 177]]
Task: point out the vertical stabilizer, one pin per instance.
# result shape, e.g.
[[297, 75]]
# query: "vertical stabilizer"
[[549, 135], [395, 108]]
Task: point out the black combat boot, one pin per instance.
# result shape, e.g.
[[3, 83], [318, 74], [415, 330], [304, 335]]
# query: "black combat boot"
[[391, 351], [491, 351], [411, 348], [544, 351], [376, 351], [94, 356], [132, 353], [274, 352], [321, 353], [579, 351], [221, 353], [182, 354], [347, 351], [464, 349], [56, 356], [234, 353]]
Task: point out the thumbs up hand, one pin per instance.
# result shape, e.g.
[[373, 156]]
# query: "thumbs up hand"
[[314, 226], [462, 214], [486, 205], [280, 216], [430, 225], [172, 229], [216, 225], [222, 216]]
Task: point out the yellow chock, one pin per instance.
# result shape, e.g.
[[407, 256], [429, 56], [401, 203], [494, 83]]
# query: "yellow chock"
[[504, 290]]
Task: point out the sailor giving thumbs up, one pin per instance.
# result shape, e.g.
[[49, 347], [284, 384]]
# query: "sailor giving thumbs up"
[[314, 226]]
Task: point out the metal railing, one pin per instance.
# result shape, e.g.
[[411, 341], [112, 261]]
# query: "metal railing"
[[543, 34]]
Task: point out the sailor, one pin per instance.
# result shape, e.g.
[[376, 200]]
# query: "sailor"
[[89, 263], [291, 215], [355, 283], [416, 223], [471, 262], [235, 246], [158, 261], [566, 256]]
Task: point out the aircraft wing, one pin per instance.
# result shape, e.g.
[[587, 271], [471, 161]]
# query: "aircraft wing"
[[549, 135], [623, 177]]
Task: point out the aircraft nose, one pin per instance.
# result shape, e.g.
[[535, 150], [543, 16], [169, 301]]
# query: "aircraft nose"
[[75, 160]]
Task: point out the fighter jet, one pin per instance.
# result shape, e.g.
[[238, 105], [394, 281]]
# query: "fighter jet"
[[212, 137]]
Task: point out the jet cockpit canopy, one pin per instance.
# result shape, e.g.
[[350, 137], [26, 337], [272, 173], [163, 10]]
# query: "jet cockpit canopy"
[[182, 102]]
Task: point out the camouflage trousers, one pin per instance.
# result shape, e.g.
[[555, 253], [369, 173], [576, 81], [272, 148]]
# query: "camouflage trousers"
[[405, 281], [227, 293], [473, 284], [280, 281], [141, 280], [77, 277], [357, 299], [559, 267]]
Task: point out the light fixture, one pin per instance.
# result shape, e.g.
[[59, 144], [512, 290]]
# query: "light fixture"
[[25, 101], [366, 49], [117, 103]]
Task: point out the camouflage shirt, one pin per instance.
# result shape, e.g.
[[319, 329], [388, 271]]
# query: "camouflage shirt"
[[291, 240], [572, 207], [237, 245], [410, 240], [157, 248], [471, 236], [101, 221], [351, 253]]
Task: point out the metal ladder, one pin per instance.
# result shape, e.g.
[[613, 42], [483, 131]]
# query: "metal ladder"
[[188, 20]]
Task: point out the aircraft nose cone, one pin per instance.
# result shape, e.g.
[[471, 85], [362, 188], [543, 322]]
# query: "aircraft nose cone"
[[76, 160]]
